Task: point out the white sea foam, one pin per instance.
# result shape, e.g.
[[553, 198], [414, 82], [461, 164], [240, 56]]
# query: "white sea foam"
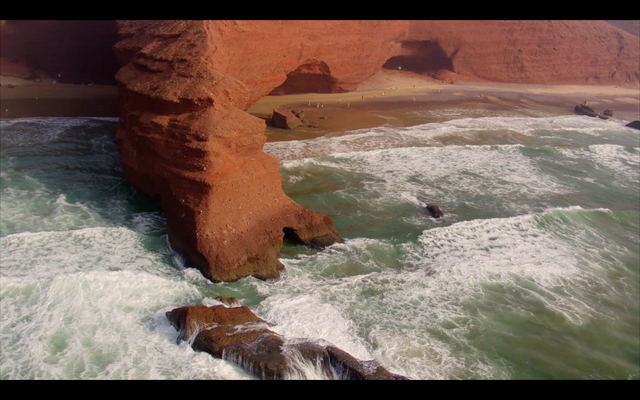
[[50, 254], [311, 317], [617, 158], [361, 140], [148, 222], [421, 314], [81, 305], [440, 174], [621, 164], [96, 325], [387, 137]]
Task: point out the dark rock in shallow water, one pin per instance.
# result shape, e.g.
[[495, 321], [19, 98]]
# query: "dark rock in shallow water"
[[238, 335], [584, 109], [634, 124], [434, 210]]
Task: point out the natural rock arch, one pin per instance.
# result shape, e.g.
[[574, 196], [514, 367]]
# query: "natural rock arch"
[[312, 76]]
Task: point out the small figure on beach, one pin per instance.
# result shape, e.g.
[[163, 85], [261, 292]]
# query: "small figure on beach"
[[362, 97], [347, 105], [338, 100], [309, 103], [383, 93], [318, 105], [414, 99]]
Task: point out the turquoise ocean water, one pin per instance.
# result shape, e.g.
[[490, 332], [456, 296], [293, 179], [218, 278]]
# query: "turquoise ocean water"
[[532, 273]]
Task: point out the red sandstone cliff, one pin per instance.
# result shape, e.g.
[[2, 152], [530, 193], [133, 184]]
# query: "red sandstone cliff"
[[184, 136], [185, 139], [553, 52], [542, 52]]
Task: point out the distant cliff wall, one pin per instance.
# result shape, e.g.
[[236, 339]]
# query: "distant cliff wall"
[[535, 52]]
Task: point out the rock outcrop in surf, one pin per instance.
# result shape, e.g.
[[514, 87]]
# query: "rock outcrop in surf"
[[634, 124], [238, 335]]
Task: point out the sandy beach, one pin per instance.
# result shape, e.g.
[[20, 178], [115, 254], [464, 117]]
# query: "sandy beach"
[[389, 96], [48, 99], [376, 101]]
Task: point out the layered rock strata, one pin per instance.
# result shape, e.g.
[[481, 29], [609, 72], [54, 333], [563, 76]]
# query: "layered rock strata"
[[531, 52], [238, 335], [185, 139]]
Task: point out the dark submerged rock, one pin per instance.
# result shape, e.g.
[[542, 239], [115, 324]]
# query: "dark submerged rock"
[[634, 124], [434, 210]]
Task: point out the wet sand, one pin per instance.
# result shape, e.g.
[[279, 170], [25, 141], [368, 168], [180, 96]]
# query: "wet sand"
[[46, 99], [390, 97]]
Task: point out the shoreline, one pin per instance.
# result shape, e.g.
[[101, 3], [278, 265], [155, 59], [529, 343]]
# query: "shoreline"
[[28, 99], [389, 94], [376, 101]]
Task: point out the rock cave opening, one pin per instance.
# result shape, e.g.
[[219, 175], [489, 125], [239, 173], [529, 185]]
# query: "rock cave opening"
[[312, 76], [290, 236], [422, 57]]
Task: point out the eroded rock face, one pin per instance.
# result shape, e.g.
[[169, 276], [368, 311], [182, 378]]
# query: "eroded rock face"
[[184, 136], [185, 139], [535, 52], [238, 335]]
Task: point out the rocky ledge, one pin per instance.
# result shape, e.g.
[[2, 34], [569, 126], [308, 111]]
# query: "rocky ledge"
[[236, 334]]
